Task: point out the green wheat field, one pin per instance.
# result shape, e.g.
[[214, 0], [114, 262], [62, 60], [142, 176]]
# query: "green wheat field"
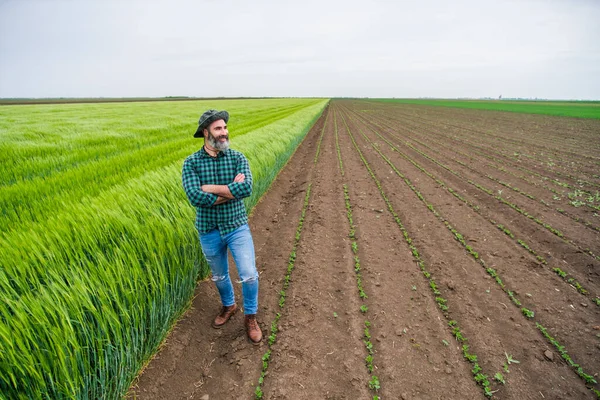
[[98, 251]]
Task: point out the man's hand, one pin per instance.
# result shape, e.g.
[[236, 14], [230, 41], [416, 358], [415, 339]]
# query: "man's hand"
[[239, 178], [221, 200], [222, 190]]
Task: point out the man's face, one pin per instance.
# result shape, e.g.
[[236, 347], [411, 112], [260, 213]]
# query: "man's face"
[[218, 135]]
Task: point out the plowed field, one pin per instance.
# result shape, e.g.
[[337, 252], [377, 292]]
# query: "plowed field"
[[413, 252]]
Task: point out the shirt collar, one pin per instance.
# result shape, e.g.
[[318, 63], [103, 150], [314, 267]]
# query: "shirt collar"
[[220, 154]]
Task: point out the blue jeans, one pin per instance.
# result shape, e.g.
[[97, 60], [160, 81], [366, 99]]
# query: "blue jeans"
[[239, 242]]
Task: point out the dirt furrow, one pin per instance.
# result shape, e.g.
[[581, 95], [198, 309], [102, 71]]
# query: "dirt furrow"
[[519, 271], [505, 172], [492, 326], [557, 136], [479, 140], [320, 331], [408, 330], [574, 261], [512, 180], [460, 183]]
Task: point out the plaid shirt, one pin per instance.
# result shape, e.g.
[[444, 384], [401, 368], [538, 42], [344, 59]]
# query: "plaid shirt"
[[202, 169]]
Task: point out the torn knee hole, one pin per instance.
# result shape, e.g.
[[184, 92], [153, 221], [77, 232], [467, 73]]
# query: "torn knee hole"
[[218, 278], [249, 280]]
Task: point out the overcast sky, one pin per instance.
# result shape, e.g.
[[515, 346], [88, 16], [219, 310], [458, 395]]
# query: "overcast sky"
[[326, 48]]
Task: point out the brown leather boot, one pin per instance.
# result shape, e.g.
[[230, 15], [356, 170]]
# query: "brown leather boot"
[[252, 329], [226, 313]]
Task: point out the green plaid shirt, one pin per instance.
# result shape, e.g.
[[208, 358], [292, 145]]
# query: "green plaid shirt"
[[202, 169]]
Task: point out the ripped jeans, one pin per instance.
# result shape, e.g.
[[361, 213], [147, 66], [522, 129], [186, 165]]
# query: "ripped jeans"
[[239, 242]]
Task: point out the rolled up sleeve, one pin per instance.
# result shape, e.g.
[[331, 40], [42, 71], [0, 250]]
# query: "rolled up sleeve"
[[192, 187], [239, 190]]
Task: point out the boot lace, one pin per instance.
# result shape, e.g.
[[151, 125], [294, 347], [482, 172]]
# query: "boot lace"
[[252, 323]]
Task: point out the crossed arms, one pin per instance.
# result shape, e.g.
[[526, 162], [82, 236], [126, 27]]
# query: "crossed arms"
[[222, 191], [201, 195]]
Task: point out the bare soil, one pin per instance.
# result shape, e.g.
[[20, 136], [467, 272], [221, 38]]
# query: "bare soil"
[[321, 343]]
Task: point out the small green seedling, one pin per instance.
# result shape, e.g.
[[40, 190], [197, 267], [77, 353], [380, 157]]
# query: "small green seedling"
[[510, 359], [364, 309], [528, 313], [374, 383], [445, 342], [335, 315], [414, 287], [500, 378]]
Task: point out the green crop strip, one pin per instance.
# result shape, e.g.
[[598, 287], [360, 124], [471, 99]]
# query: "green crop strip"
[[357, 268], [520, 242], [559, 108], [508, 185], [354, 244], [582, 221], [479, 378], [589, 379], [337, 146], [572, 281], [529, 314], [361, 292], [81, 158], [505, 230]]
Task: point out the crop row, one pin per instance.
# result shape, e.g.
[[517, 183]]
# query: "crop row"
[[512, 144], [374, 383], [506, 202], [78, 134], [577, 193], [486, 152], [272, 338], [478, 375], [457, 235], [476, 208], [529, 314], [570, 280]]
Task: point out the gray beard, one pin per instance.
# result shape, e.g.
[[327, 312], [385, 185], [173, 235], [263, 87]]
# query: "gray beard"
[[218, 145]]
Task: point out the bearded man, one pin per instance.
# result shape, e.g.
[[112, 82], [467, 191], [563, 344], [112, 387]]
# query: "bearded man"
[[216, 179]]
